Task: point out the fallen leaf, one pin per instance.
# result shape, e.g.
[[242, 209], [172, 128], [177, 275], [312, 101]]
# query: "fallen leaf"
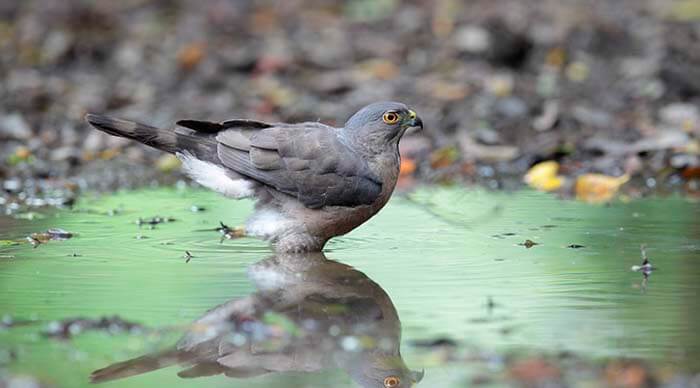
[[691, 173], [109, 153], [597, 188], [543, 176], [379, 69], [444, 157], [556, 57], [23, 153], [449, 91], [190, 55], [408, 167]]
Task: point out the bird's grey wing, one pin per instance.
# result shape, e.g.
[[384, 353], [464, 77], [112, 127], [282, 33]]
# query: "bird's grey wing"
[[306, 161]]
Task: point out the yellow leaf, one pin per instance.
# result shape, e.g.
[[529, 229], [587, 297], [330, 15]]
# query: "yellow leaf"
[[543, 176], [597, 188]]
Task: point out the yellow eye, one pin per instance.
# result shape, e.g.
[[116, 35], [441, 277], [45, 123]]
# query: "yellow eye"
[[391, 382], [391, 117]]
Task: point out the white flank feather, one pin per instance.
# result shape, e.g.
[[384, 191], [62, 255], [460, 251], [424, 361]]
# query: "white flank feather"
[[214, 177]]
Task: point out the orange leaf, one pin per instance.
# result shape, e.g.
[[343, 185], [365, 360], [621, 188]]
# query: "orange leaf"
[[190, 55], [597, 188], [408, 167]]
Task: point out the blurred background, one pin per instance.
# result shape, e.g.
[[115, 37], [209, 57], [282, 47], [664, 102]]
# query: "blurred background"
[[587, 98], [606, 86]]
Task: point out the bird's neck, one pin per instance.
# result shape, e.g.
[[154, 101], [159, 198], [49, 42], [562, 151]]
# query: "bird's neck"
[[369, 145]]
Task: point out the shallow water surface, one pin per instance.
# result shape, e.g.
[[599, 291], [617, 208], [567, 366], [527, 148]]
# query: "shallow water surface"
[[438, 264]]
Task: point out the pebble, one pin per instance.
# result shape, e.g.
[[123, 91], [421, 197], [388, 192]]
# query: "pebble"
[[511, 107], [472, 39], [680, 115], [14, 126]]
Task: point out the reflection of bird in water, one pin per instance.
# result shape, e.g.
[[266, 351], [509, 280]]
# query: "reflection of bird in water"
[[309, 313]]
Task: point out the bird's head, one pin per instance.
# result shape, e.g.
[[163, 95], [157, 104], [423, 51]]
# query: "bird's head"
[[381, 125]]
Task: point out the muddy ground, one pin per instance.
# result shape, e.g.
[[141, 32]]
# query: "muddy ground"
[[599, 86]]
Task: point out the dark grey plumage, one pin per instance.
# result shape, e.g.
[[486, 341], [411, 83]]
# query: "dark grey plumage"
[[333, 171]]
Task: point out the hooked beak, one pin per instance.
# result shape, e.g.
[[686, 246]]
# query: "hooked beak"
[[415, 121]]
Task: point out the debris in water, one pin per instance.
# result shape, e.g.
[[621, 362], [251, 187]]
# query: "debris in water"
[[188, 256], [58, 234], [197, 209], [153, 221], [528, 244], [7, 321], [575, 246], [229, 233], [66, 328], [491, 304], [35, 243], [55, 234], [646, 266], [7, 243], [434, 343]]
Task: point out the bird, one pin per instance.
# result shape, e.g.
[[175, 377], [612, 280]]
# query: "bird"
[[308, 314], [311, 181]]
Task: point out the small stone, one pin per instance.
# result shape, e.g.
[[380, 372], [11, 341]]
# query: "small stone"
[[15, 126], [64, 153], [548, 118], [680, 115], [684, 160], [593, 117], [472, 39], [511, 107], [12, 184], [487, 136]]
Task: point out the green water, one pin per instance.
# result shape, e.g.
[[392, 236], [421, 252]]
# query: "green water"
[[440, 255]]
